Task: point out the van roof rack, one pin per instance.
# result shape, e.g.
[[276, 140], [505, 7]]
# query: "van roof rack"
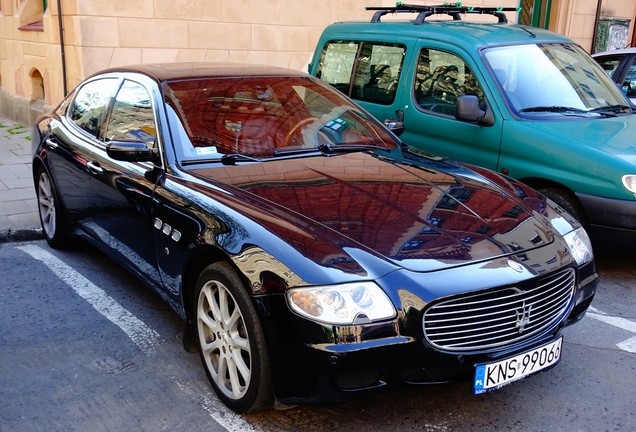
[[452, 9]]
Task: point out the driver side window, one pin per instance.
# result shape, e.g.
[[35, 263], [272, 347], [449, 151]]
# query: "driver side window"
[[132, 118], [441, 78]]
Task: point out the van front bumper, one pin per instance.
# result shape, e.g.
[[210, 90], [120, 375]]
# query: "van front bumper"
[[612, 221]]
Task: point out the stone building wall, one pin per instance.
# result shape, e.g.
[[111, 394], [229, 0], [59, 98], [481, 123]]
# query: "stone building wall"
[[100, 34]]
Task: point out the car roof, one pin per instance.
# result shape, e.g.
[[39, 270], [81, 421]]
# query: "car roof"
[[458, 32], [618, 51], [177, 71]]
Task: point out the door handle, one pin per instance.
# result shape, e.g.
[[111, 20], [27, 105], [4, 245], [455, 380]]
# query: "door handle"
[[94, 167], [52, 144]]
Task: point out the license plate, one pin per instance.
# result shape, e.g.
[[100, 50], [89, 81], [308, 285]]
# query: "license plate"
[[491, 376]]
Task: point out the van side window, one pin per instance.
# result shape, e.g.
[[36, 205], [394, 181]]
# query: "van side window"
[[440, 79], [364, 71]]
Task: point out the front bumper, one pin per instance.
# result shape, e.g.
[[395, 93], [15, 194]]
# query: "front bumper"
[[315, 363], [612, 221]]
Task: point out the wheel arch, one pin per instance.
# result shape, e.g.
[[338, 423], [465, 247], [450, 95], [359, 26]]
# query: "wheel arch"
[[36, 165], [197, 262], [541, 184]]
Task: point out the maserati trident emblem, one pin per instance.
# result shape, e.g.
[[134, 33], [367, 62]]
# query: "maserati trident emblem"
[[523, 317], [515, 266]]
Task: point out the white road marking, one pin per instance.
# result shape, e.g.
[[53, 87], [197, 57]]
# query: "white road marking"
[[622, 323], [145, 338], [217, 410]]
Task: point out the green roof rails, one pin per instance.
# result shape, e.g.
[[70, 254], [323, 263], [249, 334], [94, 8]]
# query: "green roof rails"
[[452, 9]]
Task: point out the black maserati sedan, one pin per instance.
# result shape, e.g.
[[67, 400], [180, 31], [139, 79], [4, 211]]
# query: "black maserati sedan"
[[311, 253]]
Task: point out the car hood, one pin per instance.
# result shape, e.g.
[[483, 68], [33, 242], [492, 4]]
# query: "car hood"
[[612, 135], [419, 213]]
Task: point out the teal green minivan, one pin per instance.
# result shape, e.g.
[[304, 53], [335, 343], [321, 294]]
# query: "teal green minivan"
[[523, 101]]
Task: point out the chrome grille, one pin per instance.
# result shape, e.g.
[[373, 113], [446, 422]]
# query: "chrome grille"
[[489, 319]]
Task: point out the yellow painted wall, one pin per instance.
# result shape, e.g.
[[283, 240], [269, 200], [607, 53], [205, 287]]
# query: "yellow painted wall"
[[100, 34]]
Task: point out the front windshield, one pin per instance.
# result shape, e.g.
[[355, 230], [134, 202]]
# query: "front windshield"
[[553, 79], [261, 117]]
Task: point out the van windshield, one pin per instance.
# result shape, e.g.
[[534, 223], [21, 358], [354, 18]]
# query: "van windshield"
[[554, 80]]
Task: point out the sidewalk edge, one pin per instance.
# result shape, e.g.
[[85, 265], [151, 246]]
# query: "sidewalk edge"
[[13, 235]]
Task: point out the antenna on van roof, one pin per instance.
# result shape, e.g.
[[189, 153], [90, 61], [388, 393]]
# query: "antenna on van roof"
[[452, 9]]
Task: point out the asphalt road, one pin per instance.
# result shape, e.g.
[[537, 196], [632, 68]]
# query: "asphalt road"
[[85, 346]]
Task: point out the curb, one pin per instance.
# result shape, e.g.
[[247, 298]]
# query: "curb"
[[11, 235]]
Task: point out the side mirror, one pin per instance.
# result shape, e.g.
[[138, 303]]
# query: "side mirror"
[[469, 109], [130, 151]]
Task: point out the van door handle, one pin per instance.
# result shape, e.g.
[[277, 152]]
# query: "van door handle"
[[95, 167]]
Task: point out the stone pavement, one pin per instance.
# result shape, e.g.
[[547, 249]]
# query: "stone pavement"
[[19, 218]]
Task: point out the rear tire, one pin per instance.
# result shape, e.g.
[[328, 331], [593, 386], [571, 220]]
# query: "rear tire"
[[231, 340], [50, 214]]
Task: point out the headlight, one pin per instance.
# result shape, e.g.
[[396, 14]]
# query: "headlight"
[[629, 181], [341, 304], [580, 246]]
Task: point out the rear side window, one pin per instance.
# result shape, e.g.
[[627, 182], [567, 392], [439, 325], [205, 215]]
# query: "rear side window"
[[365, 71], [609, 63], [629, 85], [90, 104]]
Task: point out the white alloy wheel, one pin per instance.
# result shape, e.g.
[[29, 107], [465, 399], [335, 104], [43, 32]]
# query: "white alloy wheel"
[[224, 340], [46, 205], [231, 340]]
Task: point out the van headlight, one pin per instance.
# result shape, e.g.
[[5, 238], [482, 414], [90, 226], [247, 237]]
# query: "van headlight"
[[629, 181], [580, 246], [341, 304]]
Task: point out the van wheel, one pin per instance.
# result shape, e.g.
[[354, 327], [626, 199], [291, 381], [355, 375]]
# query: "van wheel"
[[231, 340], [568, 202]]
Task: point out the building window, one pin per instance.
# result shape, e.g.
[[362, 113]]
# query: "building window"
[[30, 13], [536, 13], [37, 85]]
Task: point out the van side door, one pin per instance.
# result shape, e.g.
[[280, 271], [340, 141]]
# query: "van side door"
[[437, 79]]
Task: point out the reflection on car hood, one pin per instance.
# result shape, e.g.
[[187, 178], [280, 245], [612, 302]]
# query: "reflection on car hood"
[[421, 215]]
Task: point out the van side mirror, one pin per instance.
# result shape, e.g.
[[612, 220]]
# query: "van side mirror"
[[470, 109]]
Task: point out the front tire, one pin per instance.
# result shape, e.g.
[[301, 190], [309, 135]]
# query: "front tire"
[[231, 340], [568, 202], [50, 213]]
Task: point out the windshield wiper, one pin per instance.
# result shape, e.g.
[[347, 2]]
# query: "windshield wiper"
[[612, 110], [295, 151], [346, 148], [554, 109], [228, 159], [327, 149], [199, 161], [231, 159]]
